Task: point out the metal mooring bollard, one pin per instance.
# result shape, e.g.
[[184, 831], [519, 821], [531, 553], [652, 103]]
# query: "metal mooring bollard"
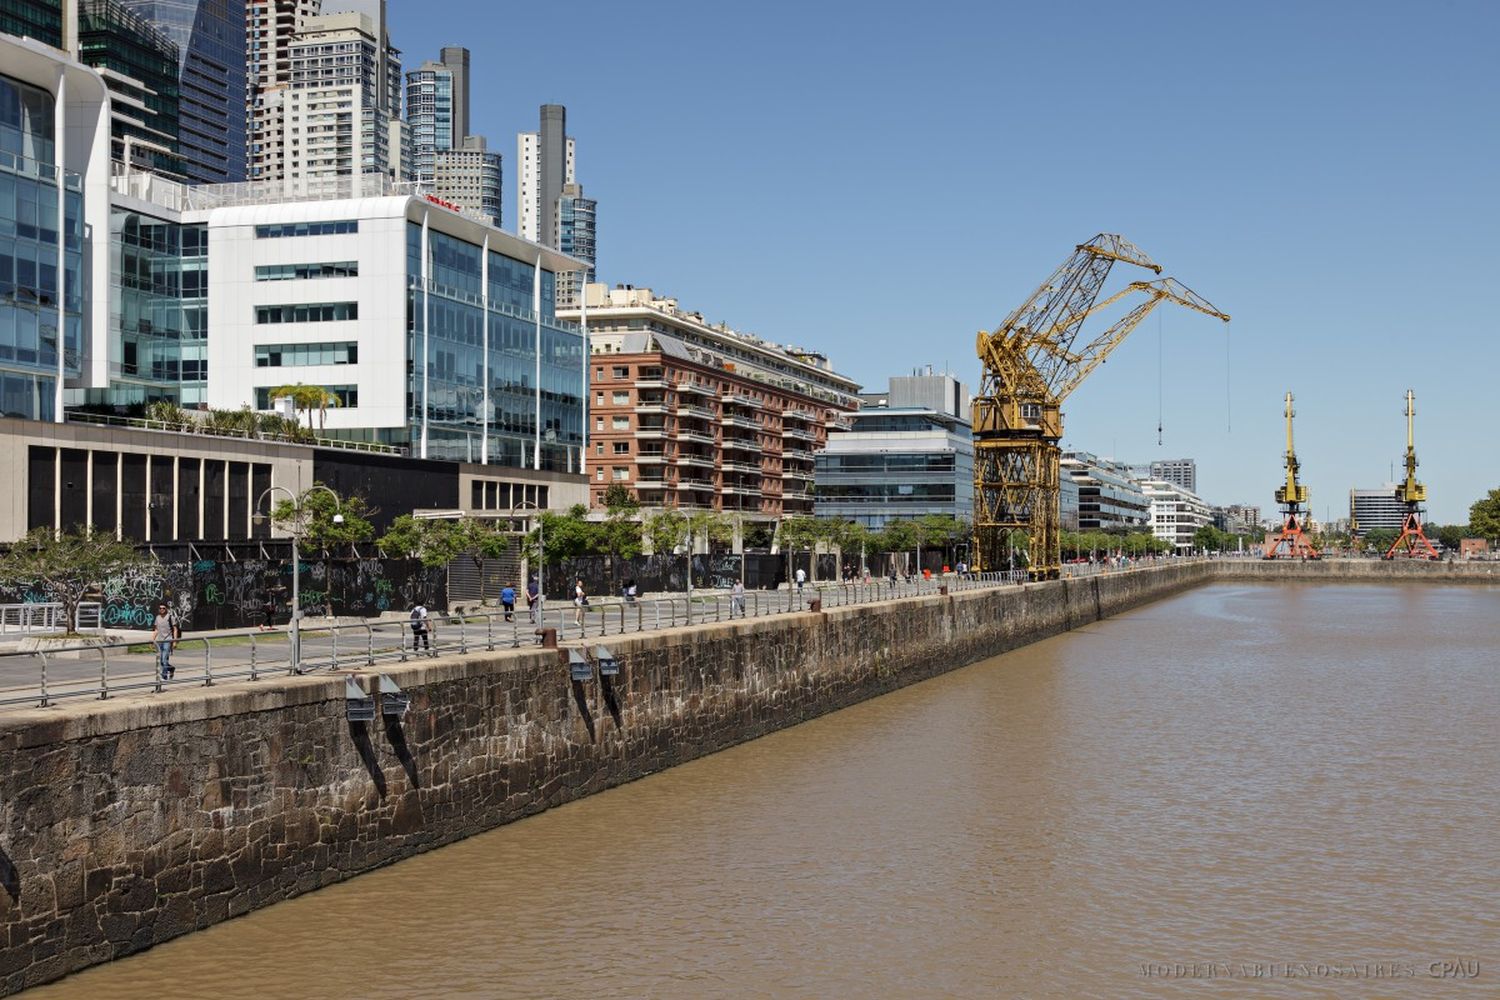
[[815, 604], [547, 637]]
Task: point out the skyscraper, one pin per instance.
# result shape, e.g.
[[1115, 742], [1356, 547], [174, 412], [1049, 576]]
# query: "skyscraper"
[[470, 177], [139, 64], [437, 109], [38, 19], [210, 39], [544, 163], [575, 237], [270, 27], [342, 110]]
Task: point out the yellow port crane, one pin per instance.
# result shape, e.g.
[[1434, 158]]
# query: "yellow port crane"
[[1031, 362], [1413, 541], [1291, 542]]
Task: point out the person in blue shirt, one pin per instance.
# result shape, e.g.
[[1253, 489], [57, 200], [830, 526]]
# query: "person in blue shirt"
[[508, 602]]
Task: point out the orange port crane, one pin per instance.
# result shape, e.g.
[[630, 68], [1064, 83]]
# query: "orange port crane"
[[1031, 362], [1412, 542], [1291, 542]]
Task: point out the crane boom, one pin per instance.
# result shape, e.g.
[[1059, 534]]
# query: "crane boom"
[[1031, 363]]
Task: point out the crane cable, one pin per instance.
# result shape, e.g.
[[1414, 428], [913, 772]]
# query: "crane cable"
[[1160, 366]]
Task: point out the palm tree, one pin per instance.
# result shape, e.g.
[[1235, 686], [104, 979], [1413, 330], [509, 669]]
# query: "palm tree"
[[308, 398]]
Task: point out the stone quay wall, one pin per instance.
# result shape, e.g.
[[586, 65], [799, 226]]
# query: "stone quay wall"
[[126, 823]]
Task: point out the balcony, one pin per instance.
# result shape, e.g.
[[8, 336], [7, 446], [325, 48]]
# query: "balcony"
[[740, 399], [684, 434], [736, 420], [652, 406], [735, 465], [653, 382], [697, 461], [798, 434], [693, 388], [653, 433], [651, 457], [694, 411], [801, 416], [740, 444]]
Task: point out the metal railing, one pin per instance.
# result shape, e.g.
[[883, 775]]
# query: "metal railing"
[[43, 617], [104, 669]]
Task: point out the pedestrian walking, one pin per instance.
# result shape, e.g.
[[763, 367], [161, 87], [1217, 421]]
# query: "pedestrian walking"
[[533, 598], [508, 602], [801, 578], [631, 591], [580, 601], [268, 614], [165, 634], [737, 599], [420, 627]]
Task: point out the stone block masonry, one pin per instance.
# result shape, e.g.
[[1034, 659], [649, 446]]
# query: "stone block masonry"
[[126, 823]]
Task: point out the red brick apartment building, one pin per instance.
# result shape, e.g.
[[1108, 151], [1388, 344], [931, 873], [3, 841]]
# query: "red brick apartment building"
[[691, 415]]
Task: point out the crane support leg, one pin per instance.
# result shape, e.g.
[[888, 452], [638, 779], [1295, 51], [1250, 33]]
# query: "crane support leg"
[[1016, 497], [1291, 542], [1412, 542]]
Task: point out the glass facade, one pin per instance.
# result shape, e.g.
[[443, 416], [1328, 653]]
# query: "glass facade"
[[210, 39], [159, 311], [39, 19], [142, 79], [31, 228], [460, 338], [896, 464]]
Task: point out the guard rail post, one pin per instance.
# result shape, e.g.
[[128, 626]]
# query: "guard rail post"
[[103, 674]]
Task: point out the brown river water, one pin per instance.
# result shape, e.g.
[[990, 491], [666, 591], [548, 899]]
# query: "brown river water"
[[1247, 791]]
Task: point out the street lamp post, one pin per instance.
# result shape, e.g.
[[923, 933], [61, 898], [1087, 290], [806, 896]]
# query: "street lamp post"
[[541, 558], [299, 504], [688, 552]]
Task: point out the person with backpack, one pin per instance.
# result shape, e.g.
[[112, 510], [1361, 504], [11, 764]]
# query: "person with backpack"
[[419, 627]]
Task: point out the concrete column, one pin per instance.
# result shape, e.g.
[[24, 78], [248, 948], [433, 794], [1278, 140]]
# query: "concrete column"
[[426, 323], [536, 305], [59, 139], [583, 322], [484, 298]]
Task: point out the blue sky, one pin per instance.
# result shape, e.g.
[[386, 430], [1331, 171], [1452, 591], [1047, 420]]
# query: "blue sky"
[[880, 182]]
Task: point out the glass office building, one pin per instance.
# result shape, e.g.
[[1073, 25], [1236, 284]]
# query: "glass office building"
[[32, 227], [532, 412], [39, 19], [210, 77], [158, 311], [139, 64]]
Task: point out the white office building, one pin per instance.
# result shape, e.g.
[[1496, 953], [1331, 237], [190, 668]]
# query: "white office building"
[[1176, 513], [1376, 508]]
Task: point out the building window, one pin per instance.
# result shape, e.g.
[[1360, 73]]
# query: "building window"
[[295, 272], [621, 371], [620, 423], [620, 473], [598, 447], [599, 475], [598, 423], [308, 312], [347, 396], [598, 399], [622, 447], [621, 399], [295, 355], [327, 228]]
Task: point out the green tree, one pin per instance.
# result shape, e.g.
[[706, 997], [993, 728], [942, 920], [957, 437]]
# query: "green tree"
[[1451, 535], [620, 533], [324, 520], [170, 415], [1484, 516], [308, 398], [567, 537], [1379, 540], [66, 566], [666, 529]]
